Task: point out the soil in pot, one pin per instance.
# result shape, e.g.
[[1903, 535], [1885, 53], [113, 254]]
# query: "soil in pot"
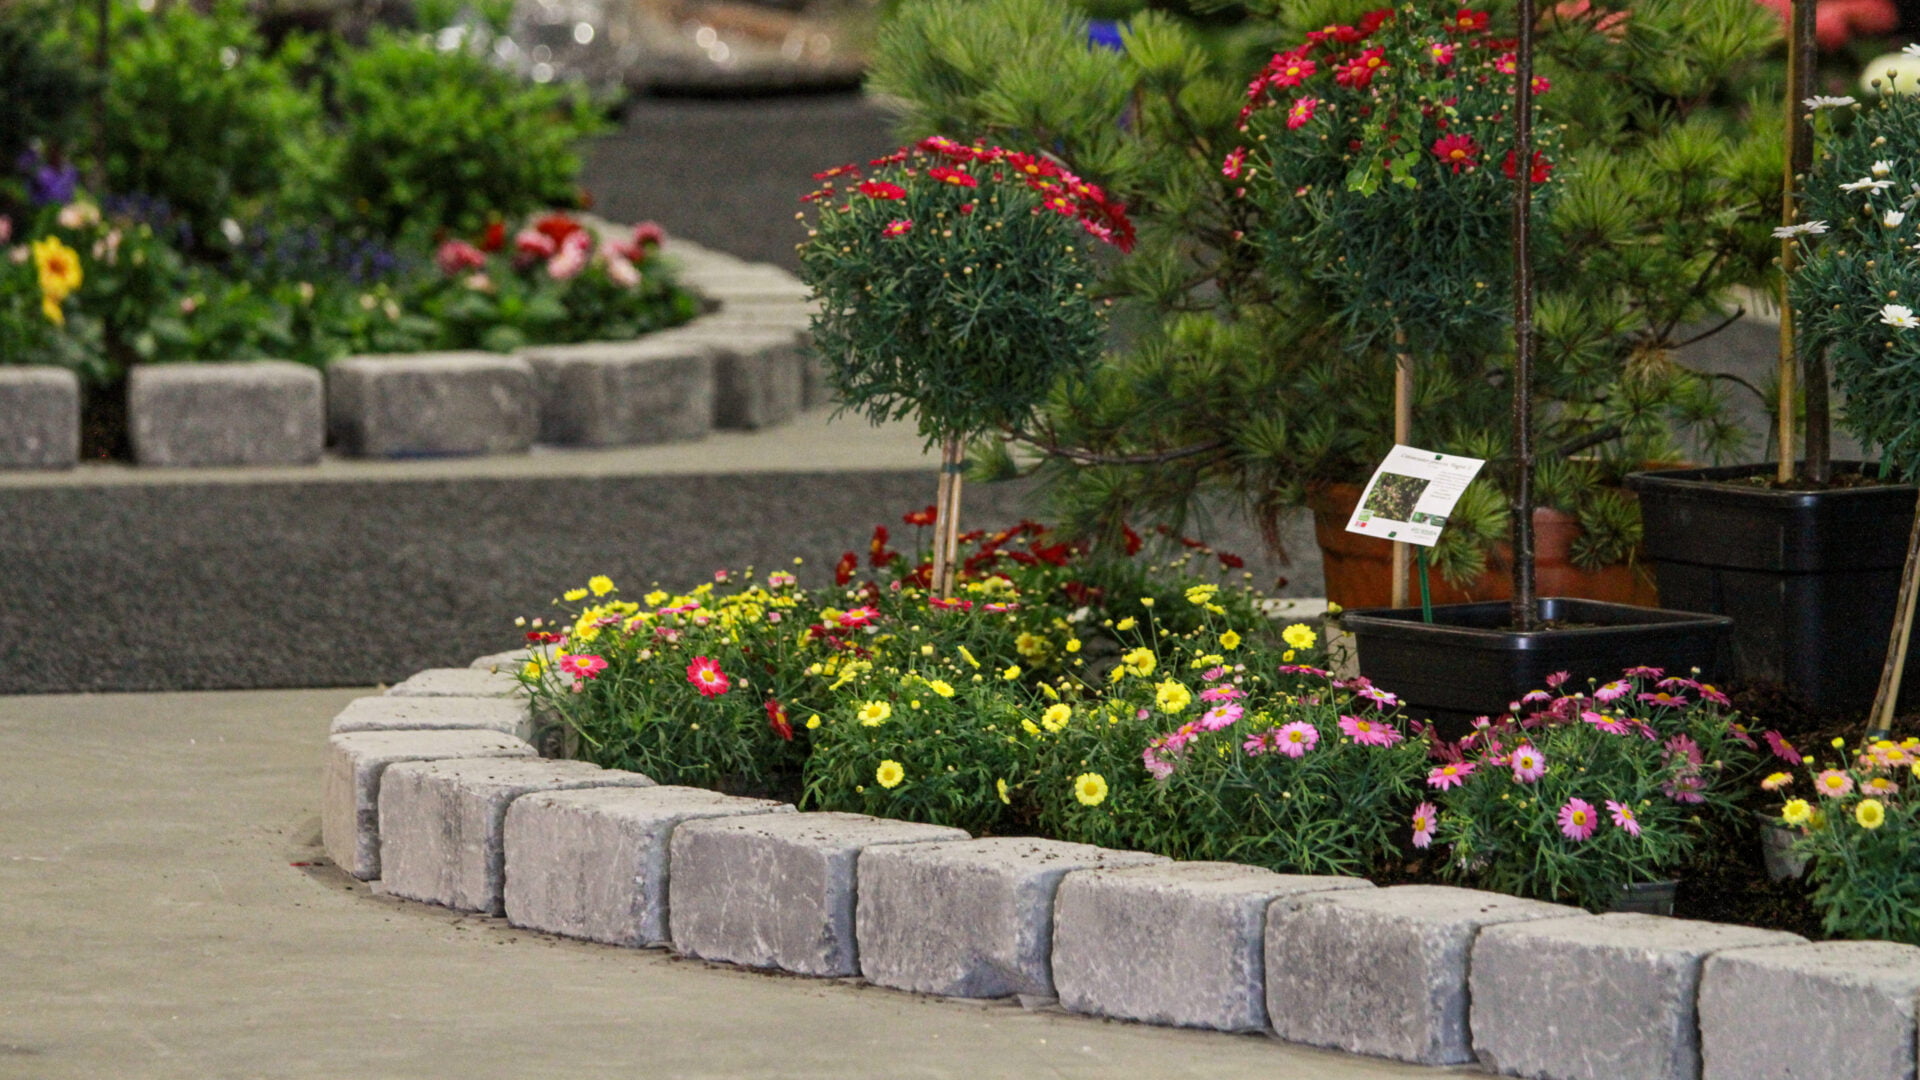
[[1359, 569]]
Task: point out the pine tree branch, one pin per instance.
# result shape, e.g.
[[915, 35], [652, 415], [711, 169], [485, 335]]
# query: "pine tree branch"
[[1090, 457]]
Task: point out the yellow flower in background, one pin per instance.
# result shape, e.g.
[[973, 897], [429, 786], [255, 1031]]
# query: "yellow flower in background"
[[1000, 787], [889, 774], [1029, 726], [1172, 697], [655, 598], [1200, 594], [1052, 694], [1012, 672], [1056, 717], [1871, 813], [58, 266], [1139, 662], [874, 713], [1299, 636], [1230, 641], [1797, 812], [531, 670], [941, 687], [1073, 644], [601, 584], [1126, 624], [1032, 646], [968, 657], [1090, 789], [1146, 601], [812, 722], [572, 595]]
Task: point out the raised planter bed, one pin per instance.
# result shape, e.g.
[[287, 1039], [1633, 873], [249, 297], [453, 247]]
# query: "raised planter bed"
[[1419, 973], [265, 412], [39, 418]]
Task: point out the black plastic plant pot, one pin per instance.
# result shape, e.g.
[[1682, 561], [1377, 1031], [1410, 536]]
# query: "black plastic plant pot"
[[1810, 578], [1466, 663]]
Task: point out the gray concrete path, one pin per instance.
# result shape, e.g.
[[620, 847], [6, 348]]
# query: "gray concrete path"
[[155, 921]]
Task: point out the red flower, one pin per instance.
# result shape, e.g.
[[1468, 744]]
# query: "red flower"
[[706, 677], [1542, 168], [897, 228], [1288, 69], [880, 189], [947, 148], [456, 256], [1131, 539], [838, 170], [895, 158], [1031, 164], [1541, 84], [1301, 111], [921, 517], [1374, 19], [1359, 72], [495, 237], [878, 554], [557, 226], [1506, 63], [1459, 151], [1339, 35], [1060, 204], [1230, 560], [860, 616], [1236, 160], [648, 234], [843, 570], [948, 175], [944, 604], [1467, 22], [777, 720]]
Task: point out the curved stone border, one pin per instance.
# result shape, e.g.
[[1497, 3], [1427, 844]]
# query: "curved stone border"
[[468, 816]]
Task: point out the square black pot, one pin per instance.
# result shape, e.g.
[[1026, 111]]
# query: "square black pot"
[[1464, 664], [1810, 578]]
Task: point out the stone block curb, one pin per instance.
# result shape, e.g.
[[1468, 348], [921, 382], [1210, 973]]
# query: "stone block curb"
[[432, 404], [259, 412], [458, 682], [1831, 1009], [594, 863], [655, 389], [389, 713], [350, 789], [39, 417], [1181, 943], [972, 918], [758, 372], [1599, 997], [777, 891], [442, 823], [1383, 971]]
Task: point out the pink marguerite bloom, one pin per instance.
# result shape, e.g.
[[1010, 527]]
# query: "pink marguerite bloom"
[[705, 675], [1644, 672], [1608, 724], [1260, 742], [1612, 691], [1296, 739], [456, 256], [1450, 775], [535, 243], [1665, 700], [898, 227], [1623, 817], [1221, 716], [1222, 692], [1781, 748], [1529, 765], [583, 665], [1577, 819], [572, 257], [860, 616], [1833, 783], [1558, 679], [1687, 786], [1369, 732], [1425, 817], [620, 271]]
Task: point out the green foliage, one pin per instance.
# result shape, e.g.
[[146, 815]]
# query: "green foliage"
[[1648, 778], [430, 139], [1862, 856], [47, 82], [1854, 291], [953, 285]]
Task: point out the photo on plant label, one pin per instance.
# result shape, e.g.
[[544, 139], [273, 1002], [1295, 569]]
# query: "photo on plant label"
[[1394, 496]]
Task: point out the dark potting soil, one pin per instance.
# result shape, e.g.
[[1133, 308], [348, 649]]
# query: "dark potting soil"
[[1840, 480]]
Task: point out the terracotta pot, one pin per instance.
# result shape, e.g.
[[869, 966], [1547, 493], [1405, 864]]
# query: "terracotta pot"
[[1359, 569]]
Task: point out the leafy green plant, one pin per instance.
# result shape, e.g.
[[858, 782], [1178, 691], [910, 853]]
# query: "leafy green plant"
[[1862, 837], [47, 83]]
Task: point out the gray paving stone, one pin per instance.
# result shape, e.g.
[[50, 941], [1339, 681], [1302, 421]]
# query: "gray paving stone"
[[752, 282], [972, 918], [502, 662], [384, 713], [1383, 971], [1796, 1012], [626, 393], [442, 823], [350, 789], [39, 417], [458, 682], [757, 372], [1182, 943], [777, 890], [1596, 998], [259, 412], [594, 864], [432, 404]]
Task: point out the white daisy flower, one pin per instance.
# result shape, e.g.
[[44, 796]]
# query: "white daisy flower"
[[1912, 50], [1867, 183], [1898, 315], [1892, 218], [1805, 228], [1824, 101], [1882, 168]]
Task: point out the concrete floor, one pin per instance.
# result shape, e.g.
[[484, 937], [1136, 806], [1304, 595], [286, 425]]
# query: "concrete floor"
[[156, 921]]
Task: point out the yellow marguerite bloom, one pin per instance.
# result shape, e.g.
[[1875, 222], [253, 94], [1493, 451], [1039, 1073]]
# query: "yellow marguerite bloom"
[[1056, 717], [1090, 789], [1126, 624], [968, 657], [1299, 636], [1052, 694], [874, 713], [941, 687], [1172, 697], [573, 594], [1000, 786], [1230, 641], [51, 309], [1146, 601], [1012, 672], [812, 722], [1029, 726], [1032, 646], [1871, 813], [1200, 594], [655, 598], [58, 266], [601, 584], [1073, 644], [889, 774], [1797, 812], [1139, 662]]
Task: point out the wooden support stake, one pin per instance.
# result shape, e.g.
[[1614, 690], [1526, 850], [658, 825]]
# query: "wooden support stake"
[[1894, 668], [1403, 435]]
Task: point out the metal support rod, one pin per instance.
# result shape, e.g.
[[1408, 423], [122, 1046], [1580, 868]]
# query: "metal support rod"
[[1524, 608]]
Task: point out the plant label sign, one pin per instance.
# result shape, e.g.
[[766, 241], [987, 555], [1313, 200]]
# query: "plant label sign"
[[1411, 494]]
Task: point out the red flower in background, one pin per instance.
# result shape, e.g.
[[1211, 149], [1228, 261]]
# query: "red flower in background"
[[843, 570], [1467, 22], [949, 175], [921, 517], [777, 720], [706, 677], [1542, 168], [495, 236], [880, 189], [556, 226], [878, 553], [1459, 151]]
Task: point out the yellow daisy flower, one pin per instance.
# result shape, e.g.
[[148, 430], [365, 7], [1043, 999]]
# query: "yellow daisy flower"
[[1090, 789], [889, 774]]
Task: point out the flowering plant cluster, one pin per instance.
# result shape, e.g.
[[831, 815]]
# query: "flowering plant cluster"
[[1855, 289], [1575, 794], [1862, 835], [1381, 155], [955, 282]]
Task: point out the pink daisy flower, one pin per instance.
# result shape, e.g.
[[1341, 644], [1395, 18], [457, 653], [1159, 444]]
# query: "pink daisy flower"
[[1221, 716], [1295, 739], [1222, 693], [1380, 698], [1643, 672], [1558, 679], [897, 227], [1300, 113], [860, 616], [1613, 691], [1304, 669], [1833, 783], [1605, 723], [1425, 817], [1781, 748], [1687, 787], [1577, 819], [1260, 742], [1160, 767], [1623, 817], [1528, 765], [1665, 700], [583, 666], [1684, 746], [706, 677], [1450, 775], [1368, 732]]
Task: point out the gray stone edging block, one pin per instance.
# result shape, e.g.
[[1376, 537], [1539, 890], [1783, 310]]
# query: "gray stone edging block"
[[458, 682], [431, 404], [509, 662], [350, 788], [1793, 1012], [1181, 943], [388, 713], [972, 918], [1597, 998], [659, 388], [39, 417], [442, 823], [256, 412], [594, 863], [1383, 971], [777, 890], [757, 372]]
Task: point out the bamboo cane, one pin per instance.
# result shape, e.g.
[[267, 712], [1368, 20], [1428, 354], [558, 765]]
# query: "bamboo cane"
[[1403, 435], [1894, 667]]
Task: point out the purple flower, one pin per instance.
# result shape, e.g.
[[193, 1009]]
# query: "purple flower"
[[48, 182]]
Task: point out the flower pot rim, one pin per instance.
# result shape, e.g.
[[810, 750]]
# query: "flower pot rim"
[[1456, 621], [1716, 483]]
